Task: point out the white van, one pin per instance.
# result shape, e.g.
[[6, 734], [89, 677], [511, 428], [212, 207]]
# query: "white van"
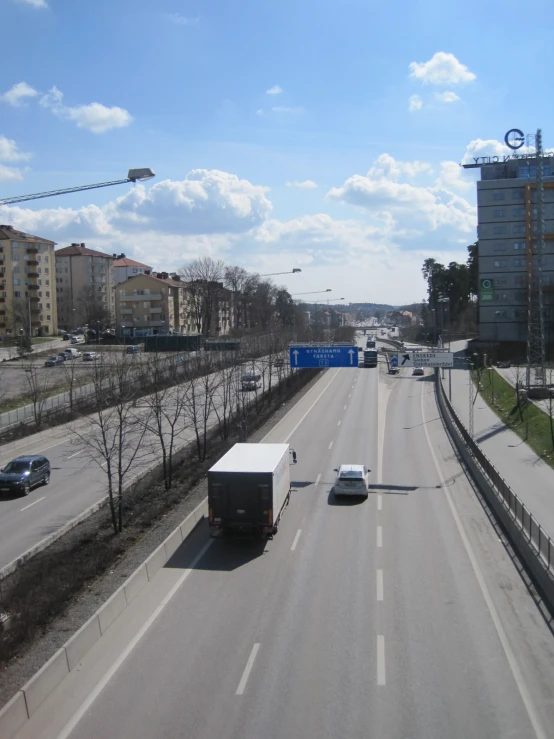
[[72, 354], [352, 479]]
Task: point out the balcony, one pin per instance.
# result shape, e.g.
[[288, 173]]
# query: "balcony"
[[35, 309], [32, 274], [33, 287], [156, 323], [126, 311], [138, 298], [32, 250], [156, 310], [34, 299], [36, 323], [32, 261]]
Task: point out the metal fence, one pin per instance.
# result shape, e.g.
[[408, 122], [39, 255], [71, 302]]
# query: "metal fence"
[[521, 516]]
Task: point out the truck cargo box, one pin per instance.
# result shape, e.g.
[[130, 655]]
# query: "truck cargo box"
[[249, 487]]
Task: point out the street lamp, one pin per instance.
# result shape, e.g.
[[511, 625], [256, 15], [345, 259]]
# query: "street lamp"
[[290, 272], [133, 175]]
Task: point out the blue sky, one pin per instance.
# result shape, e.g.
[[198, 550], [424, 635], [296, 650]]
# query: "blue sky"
[[364, 108]]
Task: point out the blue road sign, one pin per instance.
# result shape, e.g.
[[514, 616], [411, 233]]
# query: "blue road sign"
[[324, 356], [394, 360]]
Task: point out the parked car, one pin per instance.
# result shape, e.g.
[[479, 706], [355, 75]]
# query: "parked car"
[[418, 371], [90, 356], [66, 337], [23, 473], [131, 349], [53, 361], [77, 340], [504, 364], [72, 354], [63, 356]]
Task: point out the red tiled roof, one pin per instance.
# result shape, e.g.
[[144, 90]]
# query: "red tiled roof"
[[8, 232], [78, 250], [126, 262]]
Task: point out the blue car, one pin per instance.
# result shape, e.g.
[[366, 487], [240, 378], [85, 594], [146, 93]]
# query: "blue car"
[[23, 473]]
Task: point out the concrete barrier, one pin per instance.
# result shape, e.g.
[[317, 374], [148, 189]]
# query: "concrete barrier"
[[26, 701], [13, 716], [45, 681], [82, 641]]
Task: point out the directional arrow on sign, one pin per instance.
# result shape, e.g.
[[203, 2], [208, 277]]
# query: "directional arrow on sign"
[[296, 353], [351, 352], [405, 358]]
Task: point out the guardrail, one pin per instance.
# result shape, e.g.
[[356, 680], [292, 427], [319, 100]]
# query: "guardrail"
[[529, 539]]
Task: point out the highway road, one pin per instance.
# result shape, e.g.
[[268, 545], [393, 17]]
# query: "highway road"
[[78, 480], [401, 616]]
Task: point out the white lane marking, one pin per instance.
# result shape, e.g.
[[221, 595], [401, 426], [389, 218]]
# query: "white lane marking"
[[339, 423], [344, 407], [305, 414], [317, 479], [32, 504], [330, 445], [349, 395], [104, 463], [510, 656], [379, 536], [246, 673], [381, 679], [379, 584], [76, 453], [70, 726], [379, 502], [295, 542]]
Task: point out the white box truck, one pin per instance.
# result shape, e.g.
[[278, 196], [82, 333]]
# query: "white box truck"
[[249, 487]]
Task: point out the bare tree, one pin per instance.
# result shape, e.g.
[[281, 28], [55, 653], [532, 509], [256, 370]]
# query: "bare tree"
[[90, 307], [236, 279], [113, 437], [204, 277], [37, 382], [200, 395], [226, 396]]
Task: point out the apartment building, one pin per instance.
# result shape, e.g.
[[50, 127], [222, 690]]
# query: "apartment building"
[[27, 284], [84, 280], [124, 268], [155, 303], [507, 210]]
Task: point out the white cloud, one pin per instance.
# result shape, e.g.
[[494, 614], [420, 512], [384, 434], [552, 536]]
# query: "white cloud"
[[416, 103], [275, 90], [305, 185], [416, 210], [259, 112], [18, 94], [10, 153], [94, 117], [33, 3], [394, 169], [10, 173], [452, 176], [484, 148], [447, 97], [441, 69], [181, 20]]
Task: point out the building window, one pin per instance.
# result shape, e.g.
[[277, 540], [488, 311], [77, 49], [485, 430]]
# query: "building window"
[[517, 194], [134, 270], [500, 263], [518, 228], [520, 245], [48, 318], [16, 282], [17, 294], [15, 245], [45, 270], [518, 262], [501, 246], [16, 270], [499, 212], [498, 196], [46, 282], [497, 230], [516, 212], [519, 281]]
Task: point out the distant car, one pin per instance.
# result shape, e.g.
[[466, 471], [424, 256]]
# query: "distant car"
[[72, 354], [63, 356], [53, 361], [61, 332], [66, 337], [131, 349], [77, 340], [90, 356], [504, 364], [280, 363], [418, 371], [23, 473], [352, 479]]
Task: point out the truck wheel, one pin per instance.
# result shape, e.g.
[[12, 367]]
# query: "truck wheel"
[[275, 529]]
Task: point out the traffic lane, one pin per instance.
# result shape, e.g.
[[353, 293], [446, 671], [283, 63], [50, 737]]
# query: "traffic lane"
[[238, 599], [447, 674], [525, 472]]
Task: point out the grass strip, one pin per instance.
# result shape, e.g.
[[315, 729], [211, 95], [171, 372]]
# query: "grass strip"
[[526, 419]]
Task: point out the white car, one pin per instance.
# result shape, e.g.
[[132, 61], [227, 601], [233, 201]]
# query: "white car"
[[352, 479], [90, 356], [418, 371], [77, 340]]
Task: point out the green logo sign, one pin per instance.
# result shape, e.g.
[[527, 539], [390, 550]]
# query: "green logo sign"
[[487, 290]]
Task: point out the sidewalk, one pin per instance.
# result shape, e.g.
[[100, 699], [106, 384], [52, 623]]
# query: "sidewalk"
[[11, 351], [529, 477]]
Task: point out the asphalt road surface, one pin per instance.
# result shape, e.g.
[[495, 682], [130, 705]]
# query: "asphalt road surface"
[[397, 617]]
